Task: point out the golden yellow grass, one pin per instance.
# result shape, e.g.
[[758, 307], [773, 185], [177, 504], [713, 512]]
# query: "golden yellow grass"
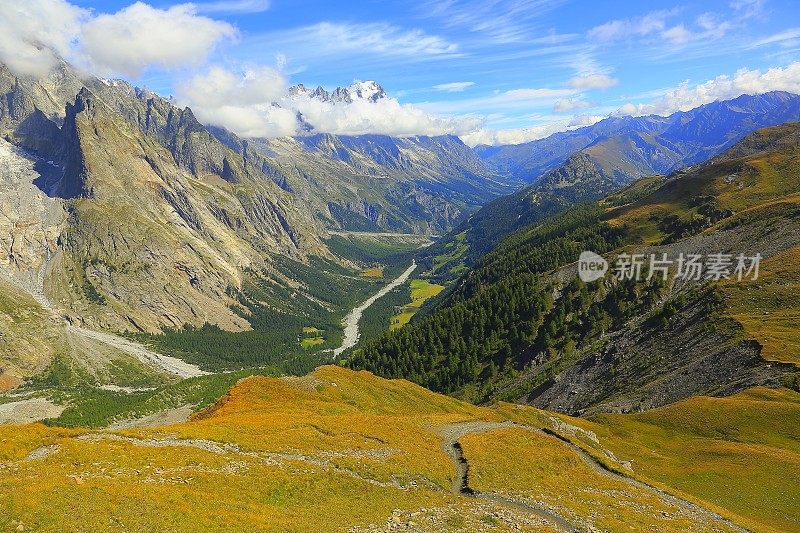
[[541, 469], [768, 308], [330, 450], [371, 430], [90, 486], [383, 429], [740, 453]]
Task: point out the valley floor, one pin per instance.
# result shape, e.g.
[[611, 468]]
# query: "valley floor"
[[338, 450]]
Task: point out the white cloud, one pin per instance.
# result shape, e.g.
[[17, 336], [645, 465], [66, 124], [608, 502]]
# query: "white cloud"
[[139, 36], [233, 6], [579, 121], [592, 81], [502, 21], [677, 34], [532, 133], [34, 32], [524, 98], [454, 87], [571, 104], [242, 103], [748, 8], [744, 81], [256, 104], [788, 37], [708, 26], [386, 116], [382, 38], [618, 29], [654, 26], [327, 39]]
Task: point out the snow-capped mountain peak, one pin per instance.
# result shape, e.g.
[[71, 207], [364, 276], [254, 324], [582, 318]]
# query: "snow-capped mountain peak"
[[360, 90], [366, 90]]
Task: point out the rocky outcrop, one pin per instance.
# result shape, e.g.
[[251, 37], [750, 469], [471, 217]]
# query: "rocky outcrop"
[[130, 213]]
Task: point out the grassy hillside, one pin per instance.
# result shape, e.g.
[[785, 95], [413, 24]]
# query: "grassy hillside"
[[421, 291], [701, 445], [341, 450], [768, 308]]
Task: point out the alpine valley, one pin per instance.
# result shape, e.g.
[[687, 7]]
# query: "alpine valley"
[[201, 331]]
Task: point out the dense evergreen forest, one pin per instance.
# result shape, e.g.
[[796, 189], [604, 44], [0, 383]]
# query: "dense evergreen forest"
[[275, 338], [274, 341], [504, 313]]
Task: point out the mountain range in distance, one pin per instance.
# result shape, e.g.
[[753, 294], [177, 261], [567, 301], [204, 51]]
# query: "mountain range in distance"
[[625, 147]]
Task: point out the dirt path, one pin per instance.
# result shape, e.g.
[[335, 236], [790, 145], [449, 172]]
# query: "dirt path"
[[453, 432], [351, 333], [598, 467], [451, 435]]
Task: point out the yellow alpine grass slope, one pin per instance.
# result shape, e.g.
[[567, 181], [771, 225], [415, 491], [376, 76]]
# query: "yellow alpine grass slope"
[[768, 308], [740, 453], [339, 450]]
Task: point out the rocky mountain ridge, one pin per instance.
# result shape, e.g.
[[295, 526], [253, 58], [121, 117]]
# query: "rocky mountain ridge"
[[369, 90]]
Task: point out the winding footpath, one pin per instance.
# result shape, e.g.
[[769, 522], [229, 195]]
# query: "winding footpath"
[[452, 447], [450, 444], [351, 333]]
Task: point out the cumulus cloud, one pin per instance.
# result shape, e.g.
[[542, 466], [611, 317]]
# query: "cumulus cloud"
[[256, 104], [242, 103], [387, 116], [744, 81], [454, 87], [139, 36], [34, 32], [579, 121], [523, 135], [592, 81]]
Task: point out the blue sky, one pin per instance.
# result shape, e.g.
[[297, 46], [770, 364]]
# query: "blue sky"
[[526, 66]]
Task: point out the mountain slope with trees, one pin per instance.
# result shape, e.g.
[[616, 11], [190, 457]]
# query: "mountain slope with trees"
[[520, 325], [589, 163]]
